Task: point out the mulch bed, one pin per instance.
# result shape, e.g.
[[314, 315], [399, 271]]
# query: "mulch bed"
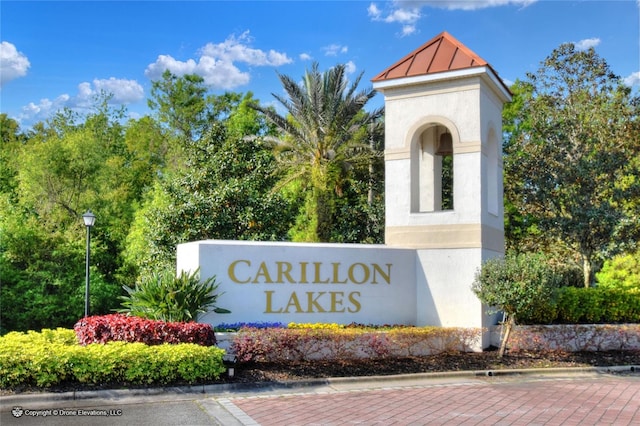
[[488, 360]]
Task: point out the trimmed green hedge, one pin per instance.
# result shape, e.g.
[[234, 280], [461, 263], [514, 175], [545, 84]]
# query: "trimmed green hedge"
[[597, 305], [52, 357], [593, 305]]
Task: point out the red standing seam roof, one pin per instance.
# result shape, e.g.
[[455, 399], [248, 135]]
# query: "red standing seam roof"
[[441, 53]]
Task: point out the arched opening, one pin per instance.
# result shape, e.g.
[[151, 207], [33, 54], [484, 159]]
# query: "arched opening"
[[433, 174]]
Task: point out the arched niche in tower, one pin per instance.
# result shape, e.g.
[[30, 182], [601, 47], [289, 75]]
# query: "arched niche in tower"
[[432, 167]]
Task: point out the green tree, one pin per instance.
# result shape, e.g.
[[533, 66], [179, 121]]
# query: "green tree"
[[150, 152], [623, 271], [519, 285], [319, 147], [571, 150], [224, 192], [65, 166], [181, 103], [11, 141]]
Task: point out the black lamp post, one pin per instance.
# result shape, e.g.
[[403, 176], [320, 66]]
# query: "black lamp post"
[[89, 220]]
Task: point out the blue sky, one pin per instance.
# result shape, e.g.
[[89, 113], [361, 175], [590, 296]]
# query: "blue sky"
[[60, 54]]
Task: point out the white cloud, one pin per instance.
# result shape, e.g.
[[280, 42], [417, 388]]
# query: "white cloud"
[[470, 4], [408, 12], [13, 64], [334, 49], [403, 15], [234, 49], [375, 13], [401, 12], [350, 67], [587, 43], [166, 62], [305, 57], [633, 79], [122, 91], [408, 30], [217, 62], [43, 109]]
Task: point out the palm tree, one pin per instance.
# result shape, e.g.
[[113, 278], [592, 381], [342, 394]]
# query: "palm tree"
[[324, 137]]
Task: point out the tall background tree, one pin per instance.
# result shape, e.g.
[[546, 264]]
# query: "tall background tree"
[[224, 190], [62, 168], [571, 159], [324, 139]]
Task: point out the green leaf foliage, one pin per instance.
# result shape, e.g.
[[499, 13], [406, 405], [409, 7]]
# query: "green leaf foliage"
[[224, 192], [623, 272], [62, 168], [163, 296], [53, 357], [571, 159], [598, 305], [520, 285]]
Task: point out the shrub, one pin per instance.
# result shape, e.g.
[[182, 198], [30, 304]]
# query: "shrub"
[[118, 327], [621, 272], [163, 296], [52, 357], [598, 305], [569, 274], [520, 285]]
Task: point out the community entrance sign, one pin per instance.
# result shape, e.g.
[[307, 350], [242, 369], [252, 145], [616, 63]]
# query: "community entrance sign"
[[299, 282], [443, 218]]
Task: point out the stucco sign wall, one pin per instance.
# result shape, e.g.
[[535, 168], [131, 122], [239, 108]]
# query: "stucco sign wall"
[[290, 282]]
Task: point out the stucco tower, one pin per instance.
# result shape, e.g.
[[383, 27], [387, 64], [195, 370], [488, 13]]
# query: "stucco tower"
[[443, 173]]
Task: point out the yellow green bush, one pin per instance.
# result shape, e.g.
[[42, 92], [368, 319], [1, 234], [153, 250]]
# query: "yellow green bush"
[[315, 326], [621, 272], [52, 357]]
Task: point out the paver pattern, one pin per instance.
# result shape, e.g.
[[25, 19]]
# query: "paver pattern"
[[560, 398], [606, 400]]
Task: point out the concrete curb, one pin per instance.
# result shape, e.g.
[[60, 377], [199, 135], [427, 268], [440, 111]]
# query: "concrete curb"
[[190, 391]]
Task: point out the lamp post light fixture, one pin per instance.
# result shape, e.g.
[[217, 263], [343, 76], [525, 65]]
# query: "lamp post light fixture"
[[89, 219]]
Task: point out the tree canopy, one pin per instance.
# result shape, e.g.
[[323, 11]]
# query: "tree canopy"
[[571, 157]]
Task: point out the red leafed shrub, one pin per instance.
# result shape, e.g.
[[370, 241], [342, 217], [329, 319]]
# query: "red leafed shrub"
[[118, 327]]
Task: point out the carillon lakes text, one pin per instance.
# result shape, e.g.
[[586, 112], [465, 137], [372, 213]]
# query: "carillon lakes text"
[[331, 299]]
